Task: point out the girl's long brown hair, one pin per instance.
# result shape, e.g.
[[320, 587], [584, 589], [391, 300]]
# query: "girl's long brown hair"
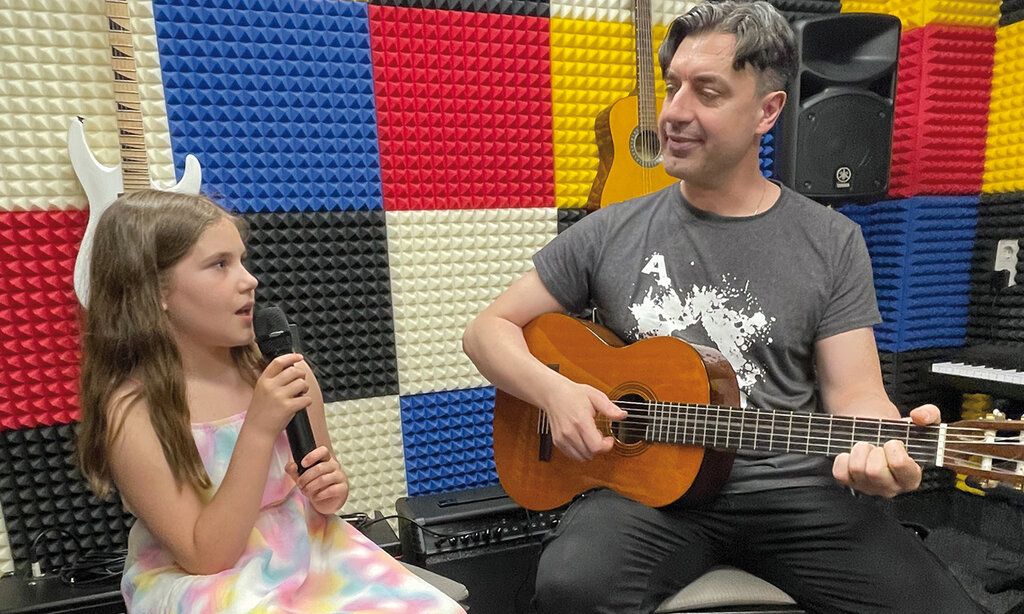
[[127, 343]]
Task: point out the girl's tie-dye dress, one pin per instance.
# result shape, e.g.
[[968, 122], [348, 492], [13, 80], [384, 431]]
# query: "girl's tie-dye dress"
[[296, 560]]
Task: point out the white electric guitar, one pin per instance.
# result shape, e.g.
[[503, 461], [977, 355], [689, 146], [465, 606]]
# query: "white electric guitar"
[[103, 184]]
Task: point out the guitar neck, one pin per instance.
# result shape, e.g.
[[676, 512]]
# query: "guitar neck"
[[644, 64], [130, 129], [761, 430]]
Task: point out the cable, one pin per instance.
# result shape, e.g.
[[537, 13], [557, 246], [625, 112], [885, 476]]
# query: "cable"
[[94, 567], [37, 570]]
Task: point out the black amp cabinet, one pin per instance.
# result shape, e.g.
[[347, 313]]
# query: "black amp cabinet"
[[480, 538]]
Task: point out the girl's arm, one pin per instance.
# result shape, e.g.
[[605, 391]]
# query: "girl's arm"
[[206, 538]]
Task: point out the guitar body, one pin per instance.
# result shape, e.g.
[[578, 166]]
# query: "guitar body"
[[102, 185], [656, 369], [630, 158]]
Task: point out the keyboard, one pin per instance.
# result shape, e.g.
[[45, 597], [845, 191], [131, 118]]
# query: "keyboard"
[[994, 369]]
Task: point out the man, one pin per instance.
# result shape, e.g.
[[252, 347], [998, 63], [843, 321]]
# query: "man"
[[782, 287]]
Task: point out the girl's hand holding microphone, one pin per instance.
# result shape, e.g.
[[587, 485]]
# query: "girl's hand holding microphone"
[[280, 391], [324, 482]]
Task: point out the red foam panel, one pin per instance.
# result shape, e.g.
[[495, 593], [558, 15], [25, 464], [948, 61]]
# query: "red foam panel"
[[941, 115], [463, 108], [39, 332]]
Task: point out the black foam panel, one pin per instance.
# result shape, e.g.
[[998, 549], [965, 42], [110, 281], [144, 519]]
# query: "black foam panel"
[[1010, 12], [568, 217], [41, 488], [329, 272], [801, 9], [907, 389], [996, 312]]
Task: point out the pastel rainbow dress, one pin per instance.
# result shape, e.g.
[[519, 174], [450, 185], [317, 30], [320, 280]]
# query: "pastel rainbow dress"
[[296, 560]]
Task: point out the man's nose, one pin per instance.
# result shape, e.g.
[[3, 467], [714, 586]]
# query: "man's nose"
[[679, 108]]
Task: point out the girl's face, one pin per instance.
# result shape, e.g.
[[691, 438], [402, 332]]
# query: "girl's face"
[[209, 294]]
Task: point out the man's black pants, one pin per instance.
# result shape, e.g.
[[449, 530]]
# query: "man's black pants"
[[828, 549]]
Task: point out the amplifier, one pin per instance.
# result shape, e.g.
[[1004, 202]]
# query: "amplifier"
[[481, 538]]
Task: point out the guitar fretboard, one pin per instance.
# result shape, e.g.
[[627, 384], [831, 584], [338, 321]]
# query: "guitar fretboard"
[[778, 431], [130, 128], [644, 65]]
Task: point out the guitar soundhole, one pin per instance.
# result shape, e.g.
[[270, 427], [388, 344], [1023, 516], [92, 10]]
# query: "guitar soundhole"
[[645, 147], [632, 429]]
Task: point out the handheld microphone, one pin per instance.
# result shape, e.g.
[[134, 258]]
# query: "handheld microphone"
[[275, 339]]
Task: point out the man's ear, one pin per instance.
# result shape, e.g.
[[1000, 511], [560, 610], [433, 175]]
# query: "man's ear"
[[771, 108]]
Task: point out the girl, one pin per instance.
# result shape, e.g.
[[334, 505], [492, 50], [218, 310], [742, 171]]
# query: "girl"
[[179, 413]]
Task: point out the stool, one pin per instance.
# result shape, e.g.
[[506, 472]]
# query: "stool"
[[730, 590]]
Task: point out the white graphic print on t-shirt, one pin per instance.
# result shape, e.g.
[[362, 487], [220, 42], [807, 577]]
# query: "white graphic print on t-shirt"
[[729, 315]]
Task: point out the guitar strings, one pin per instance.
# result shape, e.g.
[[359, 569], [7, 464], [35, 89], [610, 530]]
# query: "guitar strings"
[[680, 409]]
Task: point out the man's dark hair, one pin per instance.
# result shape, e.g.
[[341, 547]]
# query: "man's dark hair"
[[763, 38]]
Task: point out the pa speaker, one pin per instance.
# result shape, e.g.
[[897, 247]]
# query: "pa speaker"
[[835, 140]]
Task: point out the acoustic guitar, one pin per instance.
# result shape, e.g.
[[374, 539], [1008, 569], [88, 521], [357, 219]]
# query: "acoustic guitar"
[[676, 445], [103, 184], [629, 152]]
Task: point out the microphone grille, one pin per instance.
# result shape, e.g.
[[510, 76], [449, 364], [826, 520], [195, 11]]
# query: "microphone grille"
[[272, 333]]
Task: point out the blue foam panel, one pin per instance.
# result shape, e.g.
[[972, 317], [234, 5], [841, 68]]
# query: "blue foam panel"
[[766, 155], [921, 255], [275, 98], [448, 440]]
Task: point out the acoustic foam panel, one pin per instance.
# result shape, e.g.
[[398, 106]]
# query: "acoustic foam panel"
[[446, 266], [57, 66], [996, 312], [367, 438], [1004, 147], [920, 255], [276, 100], [328, 271], [917, 13], [907, 389], [532, 8], [39, 345], [1010, 12], [462, 127], [448, 440], [941, 116], [40, 489]]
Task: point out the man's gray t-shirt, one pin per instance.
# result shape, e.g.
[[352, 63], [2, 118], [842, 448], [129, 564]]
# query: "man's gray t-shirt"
[[760, 289]]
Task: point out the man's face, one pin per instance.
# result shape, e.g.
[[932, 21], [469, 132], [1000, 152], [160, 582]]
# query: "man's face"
[[712, 115]]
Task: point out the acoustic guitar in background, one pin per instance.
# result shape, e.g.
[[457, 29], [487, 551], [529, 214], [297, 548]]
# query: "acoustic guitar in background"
[[627, 132], [103, 184], [675, 445]]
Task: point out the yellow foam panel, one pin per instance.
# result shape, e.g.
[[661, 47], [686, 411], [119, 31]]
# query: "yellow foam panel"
[[916, 13], [6, 556], [367, 439], [446, 266], [1004, 146], [56, 65], [592, 66]]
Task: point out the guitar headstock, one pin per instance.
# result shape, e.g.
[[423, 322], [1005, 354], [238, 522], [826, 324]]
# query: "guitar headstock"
[[990, 449]]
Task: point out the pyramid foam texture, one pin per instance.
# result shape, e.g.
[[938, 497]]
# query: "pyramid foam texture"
[[40, 489], [328, 271], [1004, 147], [276, 99], [941, 116], [533, 8], [460, 126], [448, 440], [907, 389], [39, 346], [920, 255], [997, 311]]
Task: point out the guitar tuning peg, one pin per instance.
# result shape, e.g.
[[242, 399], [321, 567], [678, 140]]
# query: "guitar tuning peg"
[[997, 414]]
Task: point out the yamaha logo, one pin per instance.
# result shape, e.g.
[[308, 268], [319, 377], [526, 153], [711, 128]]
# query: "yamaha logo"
[[843, 176]]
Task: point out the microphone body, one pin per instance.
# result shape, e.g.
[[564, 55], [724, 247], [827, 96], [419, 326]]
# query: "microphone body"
[[274, 339]]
